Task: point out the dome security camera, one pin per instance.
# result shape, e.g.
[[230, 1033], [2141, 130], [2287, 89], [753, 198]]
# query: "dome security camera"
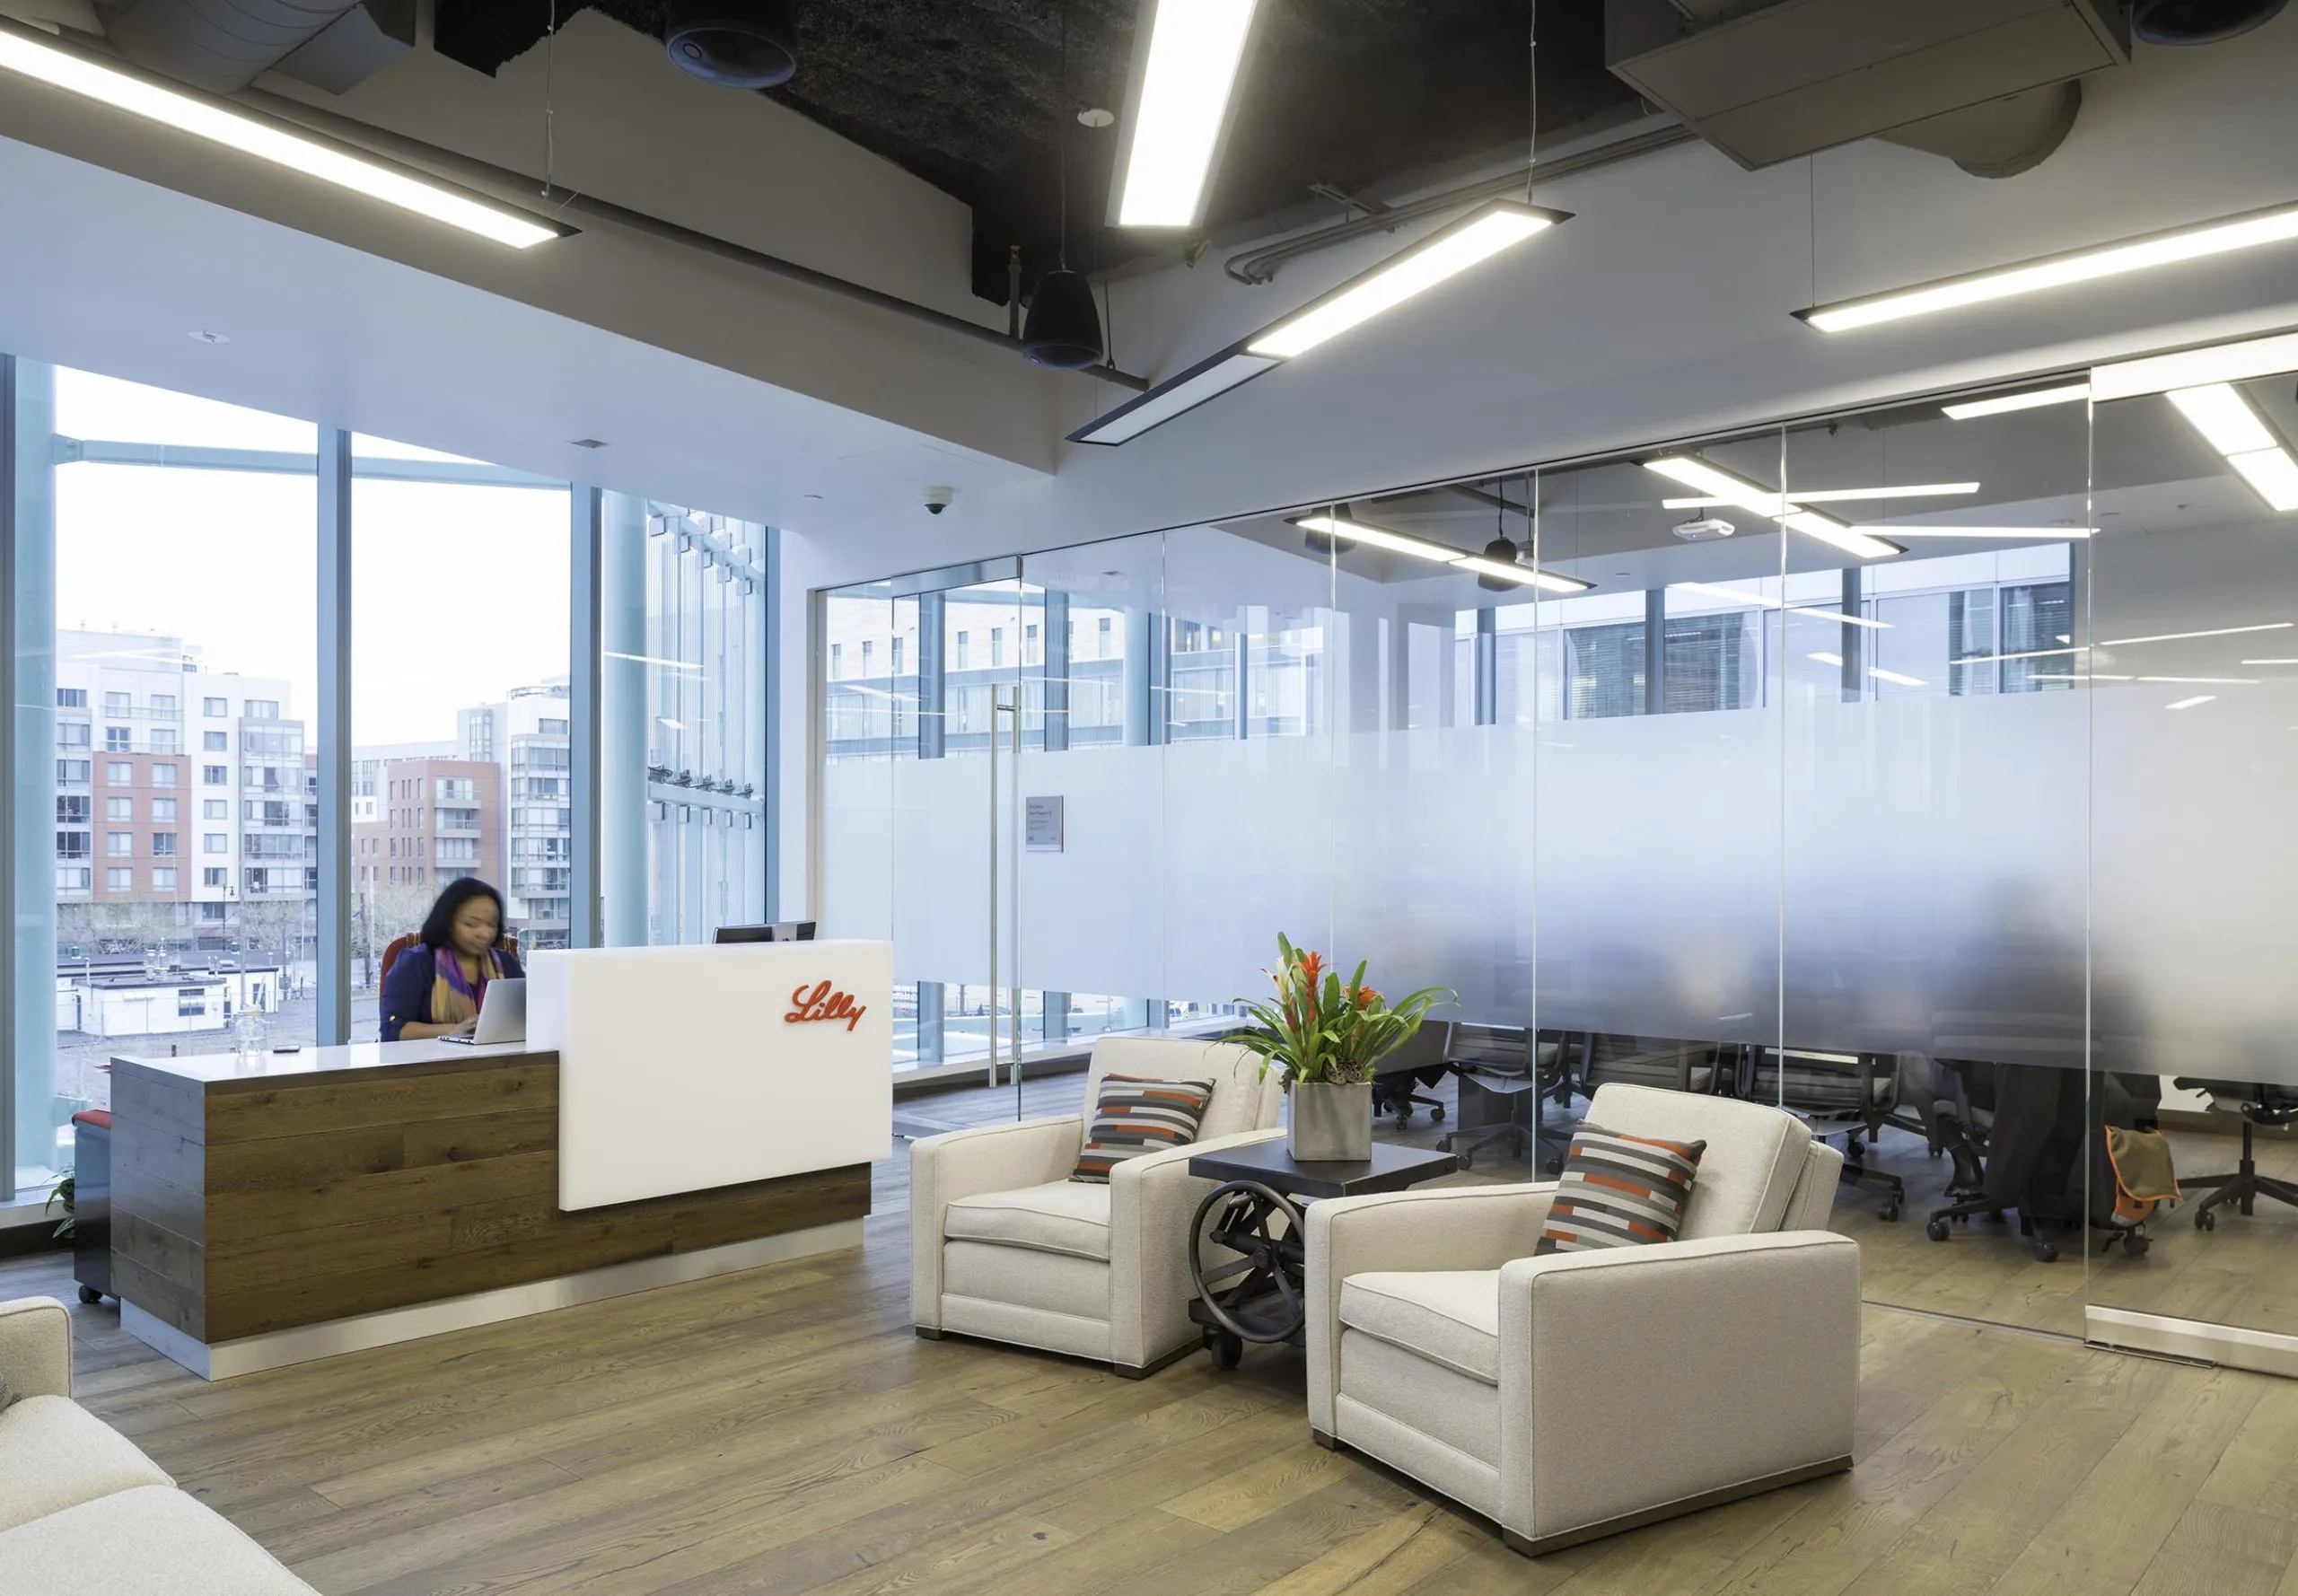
[[937, 499]]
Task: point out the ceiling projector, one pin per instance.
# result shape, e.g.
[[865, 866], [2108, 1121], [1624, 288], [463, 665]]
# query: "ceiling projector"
[[1706, 529]]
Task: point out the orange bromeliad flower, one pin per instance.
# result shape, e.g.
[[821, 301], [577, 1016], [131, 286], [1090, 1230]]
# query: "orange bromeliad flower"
[[1313, 965]]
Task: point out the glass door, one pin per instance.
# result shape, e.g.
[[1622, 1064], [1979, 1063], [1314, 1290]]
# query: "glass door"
[[953, 819]]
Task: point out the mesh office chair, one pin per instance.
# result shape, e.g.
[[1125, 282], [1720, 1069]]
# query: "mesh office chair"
[[1420, 1062], [1670, 1065], [1851, 1095], [1505, 1075], [2257, 1102]]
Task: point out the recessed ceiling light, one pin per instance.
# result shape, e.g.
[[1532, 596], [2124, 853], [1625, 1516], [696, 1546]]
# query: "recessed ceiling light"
[[1893, 676], [1828, 659], [2049, 534], [2192, 368], [2274, 225], [2190, 703], [33, 56], [210, 337], [1095, 116], [1822, 496]]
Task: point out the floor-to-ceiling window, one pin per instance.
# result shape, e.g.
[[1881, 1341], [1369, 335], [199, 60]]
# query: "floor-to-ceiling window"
[[166, 668], [462, 716], [684, 767]]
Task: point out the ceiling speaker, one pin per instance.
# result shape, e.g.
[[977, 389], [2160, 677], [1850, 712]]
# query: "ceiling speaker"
[[2198, 21], [736, 44], [1064, 329], [1504, 551]]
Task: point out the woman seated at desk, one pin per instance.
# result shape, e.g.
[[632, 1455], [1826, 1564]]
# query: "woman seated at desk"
[[435, 989]]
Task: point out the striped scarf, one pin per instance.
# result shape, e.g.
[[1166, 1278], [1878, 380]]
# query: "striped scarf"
[[453, 999]]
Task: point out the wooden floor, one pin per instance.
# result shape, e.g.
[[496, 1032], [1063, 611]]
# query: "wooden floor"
[[783, 1431]]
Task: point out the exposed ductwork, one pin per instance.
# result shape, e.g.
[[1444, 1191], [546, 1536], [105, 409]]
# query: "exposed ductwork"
[[223, 46], [1990, 84]]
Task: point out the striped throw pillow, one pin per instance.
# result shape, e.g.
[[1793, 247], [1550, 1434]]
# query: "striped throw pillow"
[[1135, 1116], [1620, 1191]]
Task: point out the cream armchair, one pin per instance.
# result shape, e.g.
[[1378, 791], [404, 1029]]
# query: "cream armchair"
[[1004, 1245], [1580, 1394]]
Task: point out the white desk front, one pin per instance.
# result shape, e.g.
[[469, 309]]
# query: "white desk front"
[[682, 1069]]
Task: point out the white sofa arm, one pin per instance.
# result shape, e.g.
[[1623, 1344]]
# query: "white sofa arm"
[[1635, 1377], [963, 1163], [36, 1347], [1153, 1198], [1453, 1227]]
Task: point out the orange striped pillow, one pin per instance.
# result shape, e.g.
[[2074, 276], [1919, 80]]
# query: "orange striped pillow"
[[1620, 1190], [1135, 1116]]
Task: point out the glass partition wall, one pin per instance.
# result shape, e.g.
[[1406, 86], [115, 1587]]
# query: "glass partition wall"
[[1915, 770]]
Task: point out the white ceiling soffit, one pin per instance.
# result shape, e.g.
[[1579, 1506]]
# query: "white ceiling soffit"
[[1988, 83], [329, 333]]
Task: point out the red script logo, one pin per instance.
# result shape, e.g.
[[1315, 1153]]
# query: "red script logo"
[[819, 1003]]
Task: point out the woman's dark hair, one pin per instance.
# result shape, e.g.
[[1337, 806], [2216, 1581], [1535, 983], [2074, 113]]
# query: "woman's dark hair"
[[439, 926]]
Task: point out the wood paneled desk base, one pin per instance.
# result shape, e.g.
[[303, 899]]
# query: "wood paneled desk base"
[[305, 1204]]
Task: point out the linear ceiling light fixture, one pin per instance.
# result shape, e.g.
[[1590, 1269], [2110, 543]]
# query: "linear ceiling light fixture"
[[1763, 500], [1824, 496], [1742, 595], [1443, 554], [2043, 534], [1187, 59], [2003, 404], [2267, 356], [27, 53], [2249, 230], [1442, 255], [2227, 423]]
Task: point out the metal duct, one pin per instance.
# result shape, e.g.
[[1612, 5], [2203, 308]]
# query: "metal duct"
[[221, 46], [1987, 83]]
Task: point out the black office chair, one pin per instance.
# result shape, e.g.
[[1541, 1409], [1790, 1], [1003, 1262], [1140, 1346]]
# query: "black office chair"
[[2257, 1103], [1420, 1062], [1505, 1075], [1838, 1094]]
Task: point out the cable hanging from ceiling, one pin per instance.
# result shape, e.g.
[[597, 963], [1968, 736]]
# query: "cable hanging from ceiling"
[[1064, 327]]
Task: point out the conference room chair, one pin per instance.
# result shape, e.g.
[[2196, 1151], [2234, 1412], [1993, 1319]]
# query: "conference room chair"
[[1420, 1062], [1675, 1065], [1576, 1395], [2257, 1103], [1004, 1246], [1851, 1095], [1507, 1077]]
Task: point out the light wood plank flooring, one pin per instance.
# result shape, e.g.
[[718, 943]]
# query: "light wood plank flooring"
[[783, 1431]]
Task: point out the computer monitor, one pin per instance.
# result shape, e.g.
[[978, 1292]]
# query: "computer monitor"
[[778, 931]]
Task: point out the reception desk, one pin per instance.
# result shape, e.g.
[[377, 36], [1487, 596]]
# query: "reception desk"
[[292, 1205]]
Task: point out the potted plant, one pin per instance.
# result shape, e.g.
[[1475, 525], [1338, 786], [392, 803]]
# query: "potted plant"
[[1323, 1037]]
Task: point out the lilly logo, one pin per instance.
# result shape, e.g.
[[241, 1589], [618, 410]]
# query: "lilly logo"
[[821, 1003]]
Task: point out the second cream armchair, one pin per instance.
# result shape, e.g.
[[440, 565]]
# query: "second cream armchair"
[[1004, 1246]]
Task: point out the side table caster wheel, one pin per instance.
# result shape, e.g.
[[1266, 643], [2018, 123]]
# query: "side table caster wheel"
[[91, 1295], [1437, 1113], [1228, 1351], [1937, 1230]]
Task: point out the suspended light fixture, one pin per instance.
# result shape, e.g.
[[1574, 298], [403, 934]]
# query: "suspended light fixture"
[[1187, 58], [32, 55], [1490, 230], [1063, 328], [2251, 230]]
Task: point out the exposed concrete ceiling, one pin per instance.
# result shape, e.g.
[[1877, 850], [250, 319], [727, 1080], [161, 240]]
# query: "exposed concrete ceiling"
[[970, 95]]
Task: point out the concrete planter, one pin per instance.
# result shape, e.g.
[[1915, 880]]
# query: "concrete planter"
[[1332, 1123]]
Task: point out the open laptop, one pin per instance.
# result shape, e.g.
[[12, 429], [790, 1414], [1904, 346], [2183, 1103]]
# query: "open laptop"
[[502, 1016]]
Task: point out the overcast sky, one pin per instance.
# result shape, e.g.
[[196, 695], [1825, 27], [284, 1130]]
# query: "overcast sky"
[[458, 593]]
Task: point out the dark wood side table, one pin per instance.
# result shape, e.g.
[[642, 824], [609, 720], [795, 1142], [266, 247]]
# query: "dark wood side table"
[[1246, 1248]]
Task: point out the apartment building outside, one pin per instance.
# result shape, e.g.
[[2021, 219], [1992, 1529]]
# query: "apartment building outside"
[[185, 813]]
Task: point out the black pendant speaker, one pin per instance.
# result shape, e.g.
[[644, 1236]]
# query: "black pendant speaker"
[[2198, 21], [1502, 550], [736, 44], [1064, 329]]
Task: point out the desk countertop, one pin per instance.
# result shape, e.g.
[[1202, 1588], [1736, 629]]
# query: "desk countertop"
[[211, 1069]]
